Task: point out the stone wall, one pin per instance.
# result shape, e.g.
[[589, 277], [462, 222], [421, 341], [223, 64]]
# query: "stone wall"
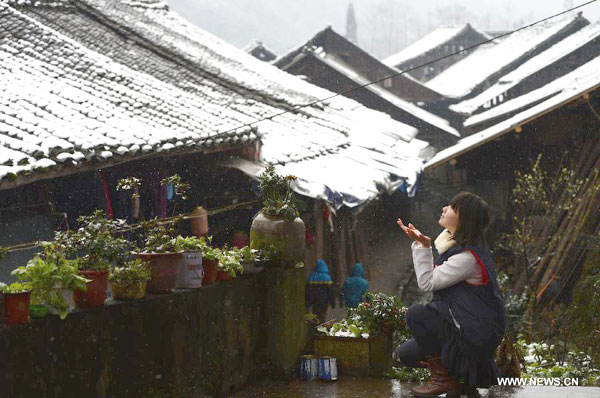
[[193, 343]]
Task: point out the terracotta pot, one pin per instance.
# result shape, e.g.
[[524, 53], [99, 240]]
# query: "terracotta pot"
[[97, 289], [133, 291], [164, 268], [282, 240], [210, 271], [16, 307], [200, 222], [224, 276]]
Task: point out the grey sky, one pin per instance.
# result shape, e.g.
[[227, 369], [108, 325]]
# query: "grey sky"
[[384, 26]]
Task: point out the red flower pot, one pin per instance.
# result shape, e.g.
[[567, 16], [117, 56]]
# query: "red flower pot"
[[97, 289], [224, 276], [210, 272], [164, 268], [16, 307]]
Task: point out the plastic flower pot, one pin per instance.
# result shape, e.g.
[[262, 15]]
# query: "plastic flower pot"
[[38, 311], [251, 268], [16, 307], [223, 276], [164, 268], [97, 289], [132, 291], [210, 271], [67, 296]]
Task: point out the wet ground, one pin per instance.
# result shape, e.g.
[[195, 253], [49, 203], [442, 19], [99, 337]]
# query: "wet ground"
[[383, 388]]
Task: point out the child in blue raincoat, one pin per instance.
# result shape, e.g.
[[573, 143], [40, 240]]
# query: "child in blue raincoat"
[[319, 290], [355, 287]]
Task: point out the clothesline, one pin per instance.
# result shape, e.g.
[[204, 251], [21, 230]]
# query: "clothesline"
[[132, 227]]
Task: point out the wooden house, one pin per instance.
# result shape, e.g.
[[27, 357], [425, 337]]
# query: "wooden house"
[[365, 64], [561, 59], [331, 72], [159, 101], [442, 42], [559, 122], [489, 62]]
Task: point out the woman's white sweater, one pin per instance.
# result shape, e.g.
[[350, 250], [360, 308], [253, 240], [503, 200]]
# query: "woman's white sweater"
[[459, 267]]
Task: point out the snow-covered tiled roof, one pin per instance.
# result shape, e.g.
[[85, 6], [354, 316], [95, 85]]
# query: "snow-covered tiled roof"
[[432, 40], [322, 129], [406, 106], [356, 174], [168, 31], [460, 79], [553, 54], [585, 76], [556, 94], [62, 105]]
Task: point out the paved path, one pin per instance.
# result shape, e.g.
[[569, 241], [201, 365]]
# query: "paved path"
[[383, 388]]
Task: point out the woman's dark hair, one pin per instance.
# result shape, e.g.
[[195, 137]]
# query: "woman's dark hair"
[[473, 218]]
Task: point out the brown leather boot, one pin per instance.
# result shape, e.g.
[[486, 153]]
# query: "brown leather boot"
[[441, 381]]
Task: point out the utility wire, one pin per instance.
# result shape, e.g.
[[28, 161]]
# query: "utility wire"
[[403, 71]]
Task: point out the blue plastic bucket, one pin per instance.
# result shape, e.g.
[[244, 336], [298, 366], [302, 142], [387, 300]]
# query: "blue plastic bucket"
[[327, 368], [309, 367]]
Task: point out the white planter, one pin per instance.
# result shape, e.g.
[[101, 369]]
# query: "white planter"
[[250, 268], [190, 271], [67, 295]]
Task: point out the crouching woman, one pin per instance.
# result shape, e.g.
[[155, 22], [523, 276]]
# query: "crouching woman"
[[455, 335]]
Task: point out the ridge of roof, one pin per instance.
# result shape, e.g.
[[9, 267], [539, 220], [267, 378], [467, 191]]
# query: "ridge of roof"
[[465, 76], [435, 38]]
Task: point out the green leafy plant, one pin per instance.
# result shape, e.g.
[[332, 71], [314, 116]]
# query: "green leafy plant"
[[133, 272], [278, 197], [190, 243], [130, 184], [376, 313], [209, 252], [159, 238], [230, 262], [252, 256], [98, 241], [49, 272], [15, 288]]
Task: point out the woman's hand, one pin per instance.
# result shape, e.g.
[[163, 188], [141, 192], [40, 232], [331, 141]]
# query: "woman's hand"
[[415, 234]]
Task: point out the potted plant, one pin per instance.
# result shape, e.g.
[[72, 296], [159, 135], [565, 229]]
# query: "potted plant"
[[229, 264], [98, 239], [160, 248], [162, 254], [16, 302], [190, 268], [53, 279], [277, 230], [210, 261], [252, 260], [128, 282]]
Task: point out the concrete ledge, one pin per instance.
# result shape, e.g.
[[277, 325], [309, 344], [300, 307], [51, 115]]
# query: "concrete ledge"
[[192, 343]]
